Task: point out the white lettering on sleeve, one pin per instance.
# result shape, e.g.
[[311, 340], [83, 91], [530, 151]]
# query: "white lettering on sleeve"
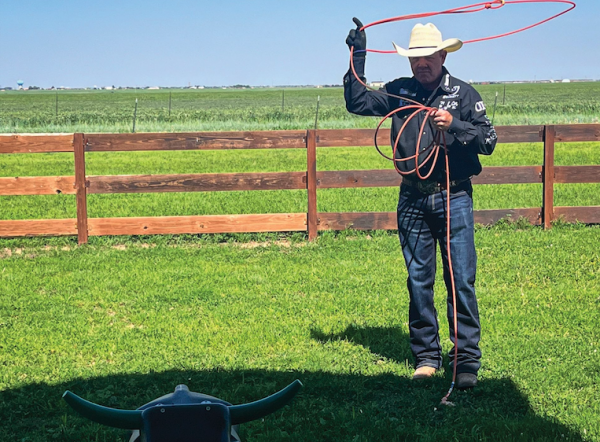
[[479, 106]]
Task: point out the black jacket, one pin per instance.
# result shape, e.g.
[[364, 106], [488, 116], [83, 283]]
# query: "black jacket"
[[470, 133]]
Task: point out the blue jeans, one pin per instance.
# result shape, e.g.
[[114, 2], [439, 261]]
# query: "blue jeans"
[[422, 224]]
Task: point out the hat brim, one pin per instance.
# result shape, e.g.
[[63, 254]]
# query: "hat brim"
[[450, 45]]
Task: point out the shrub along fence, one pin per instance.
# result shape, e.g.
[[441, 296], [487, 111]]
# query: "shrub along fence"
[[311, 221]]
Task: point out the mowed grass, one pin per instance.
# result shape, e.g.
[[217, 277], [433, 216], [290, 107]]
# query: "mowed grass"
[[122, 321], [285, 201]]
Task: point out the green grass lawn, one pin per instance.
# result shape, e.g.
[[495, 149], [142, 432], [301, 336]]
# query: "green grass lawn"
[[122, 321]]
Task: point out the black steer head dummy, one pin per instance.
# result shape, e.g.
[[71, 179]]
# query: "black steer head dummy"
[[184, 416]]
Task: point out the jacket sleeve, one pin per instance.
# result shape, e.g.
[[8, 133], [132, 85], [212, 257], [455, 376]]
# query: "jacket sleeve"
[[359, 99], [474, 129]]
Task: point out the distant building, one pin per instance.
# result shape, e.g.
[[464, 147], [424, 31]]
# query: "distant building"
[[377, 84], [153, 88], [566, 80]]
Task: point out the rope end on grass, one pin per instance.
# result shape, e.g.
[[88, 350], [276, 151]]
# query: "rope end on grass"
[[445, 402]]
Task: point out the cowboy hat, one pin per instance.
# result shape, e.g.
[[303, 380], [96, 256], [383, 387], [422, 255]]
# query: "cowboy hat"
[[426, 40]]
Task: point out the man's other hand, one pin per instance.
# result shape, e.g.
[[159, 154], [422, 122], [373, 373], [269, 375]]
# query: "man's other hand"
[[441, 119], [357, 39]]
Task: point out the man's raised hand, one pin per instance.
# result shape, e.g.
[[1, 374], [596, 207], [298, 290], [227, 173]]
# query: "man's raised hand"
[[357, 39]]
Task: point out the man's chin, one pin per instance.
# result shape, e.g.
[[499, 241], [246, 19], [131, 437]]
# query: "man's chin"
[[424, 79]]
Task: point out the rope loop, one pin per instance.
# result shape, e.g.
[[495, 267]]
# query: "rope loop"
[[493, 5]]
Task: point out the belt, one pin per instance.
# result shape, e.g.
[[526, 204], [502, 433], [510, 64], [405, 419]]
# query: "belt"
[[429, 186]]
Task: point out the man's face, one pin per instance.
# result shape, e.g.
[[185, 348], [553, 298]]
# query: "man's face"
[[428, 70]]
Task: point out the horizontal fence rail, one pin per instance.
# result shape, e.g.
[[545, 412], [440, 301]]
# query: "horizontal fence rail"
[[152, 225], [282, 139], [37, 185], [205, 182], [311, 180], [36, 143]]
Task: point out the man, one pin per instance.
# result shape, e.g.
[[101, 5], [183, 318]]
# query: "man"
[[460, 114]]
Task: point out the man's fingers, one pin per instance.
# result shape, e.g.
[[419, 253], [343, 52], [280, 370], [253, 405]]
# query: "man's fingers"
[[358, 23], [441, 119], [440, 116], [350, 38]]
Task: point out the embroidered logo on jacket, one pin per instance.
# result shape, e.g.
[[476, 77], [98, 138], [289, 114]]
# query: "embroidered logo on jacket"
[[445, 105], [451, 90], [407, 92], [479, 106]]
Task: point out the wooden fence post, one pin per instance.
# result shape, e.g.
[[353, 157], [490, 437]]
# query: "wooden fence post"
[[81, 188], [548, 177], [311, 177]]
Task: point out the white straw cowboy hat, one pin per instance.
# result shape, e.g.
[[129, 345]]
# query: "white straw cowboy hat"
[[426, 40]]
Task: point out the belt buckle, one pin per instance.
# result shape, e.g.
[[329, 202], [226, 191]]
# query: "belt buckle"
[[428, 188]]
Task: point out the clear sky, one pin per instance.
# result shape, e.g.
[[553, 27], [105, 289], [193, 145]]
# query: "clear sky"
[[78, 43]]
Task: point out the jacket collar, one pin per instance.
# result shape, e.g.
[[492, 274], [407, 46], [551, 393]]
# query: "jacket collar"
[[447, 82]]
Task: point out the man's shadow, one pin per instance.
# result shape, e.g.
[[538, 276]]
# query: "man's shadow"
[[330, 407], [388, 342]]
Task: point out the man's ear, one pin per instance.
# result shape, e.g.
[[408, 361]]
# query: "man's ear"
[[443, 55]]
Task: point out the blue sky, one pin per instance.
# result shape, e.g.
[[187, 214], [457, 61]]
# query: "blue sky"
[[274, 42]]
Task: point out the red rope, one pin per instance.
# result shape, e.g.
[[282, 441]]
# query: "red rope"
[[493, 5], [439, 135]]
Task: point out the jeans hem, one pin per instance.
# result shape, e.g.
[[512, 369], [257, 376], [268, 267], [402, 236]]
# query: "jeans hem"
[[428, 364], [470, 370]]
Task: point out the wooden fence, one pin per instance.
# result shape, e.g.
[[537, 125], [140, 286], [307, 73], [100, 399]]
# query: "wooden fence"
[[311, 221]]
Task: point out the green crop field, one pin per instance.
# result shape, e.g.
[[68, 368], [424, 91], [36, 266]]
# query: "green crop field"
[[262, 109]]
